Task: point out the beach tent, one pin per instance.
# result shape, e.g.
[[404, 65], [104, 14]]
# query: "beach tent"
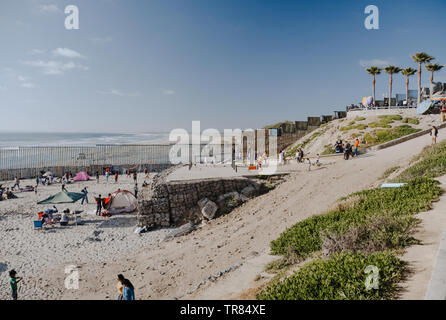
[[122, 201], [62, 197], [81, 176], [424, 106]]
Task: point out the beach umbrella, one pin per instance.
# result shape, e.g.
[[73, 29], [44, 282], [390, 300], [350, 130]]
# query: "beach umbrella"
[[424, 106], [439, 96], [62, 197]]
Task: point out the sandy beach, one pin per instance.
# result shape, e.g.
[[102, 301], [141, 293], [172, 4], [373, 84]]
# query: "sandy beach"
[[32, 252], [229, 248]]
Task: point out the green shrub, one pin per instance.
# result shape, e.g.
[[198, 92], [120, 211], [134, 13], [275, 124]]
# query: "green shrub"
[[411, 121], [431, 163], [391, 117], [305, 236], [342, 277]]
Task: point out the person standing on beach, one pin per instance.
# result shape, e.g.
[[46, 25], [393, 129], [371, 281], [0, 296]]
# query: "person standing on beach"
[[116, 177], [356, 147], [85, 193], [434, 134], [97, 176], [17, 183], [309, 164], [107, 173], [146, 173], [136, 190], [135, 177], [99, 205], [13, 281]]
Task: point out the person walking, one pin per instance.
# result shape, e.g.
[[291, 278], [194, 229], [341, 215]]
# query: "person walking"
[[135, 177], [98, 205], [136, 190], [85, 193], [107, 173], [16, 184], [97, 176], [13, 281], [116, 177], [128, 292], [434, 134], [356, 147], [309, 164]]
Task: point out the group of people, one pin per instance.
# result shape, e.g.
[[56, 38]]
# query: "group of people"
[[6, 194], [347, 149]]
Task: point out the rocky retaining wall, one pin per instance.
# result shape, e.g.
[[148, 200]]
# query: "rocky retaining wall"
[[173, 203]]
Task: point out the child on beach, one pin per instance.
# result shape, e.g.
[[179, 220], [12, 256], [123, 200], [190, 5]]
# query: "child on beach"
[[434, 134], [99, 205], [317, 160], [13, 281], [309, 164]]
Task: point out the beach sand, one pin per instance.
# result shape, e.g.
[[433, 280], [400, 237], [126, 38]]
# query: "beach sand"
[[32, 252], [183, 267]]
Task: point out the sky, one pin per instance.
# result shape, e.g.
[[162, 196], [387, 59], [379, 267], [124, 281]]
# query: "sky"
[[155, 65]]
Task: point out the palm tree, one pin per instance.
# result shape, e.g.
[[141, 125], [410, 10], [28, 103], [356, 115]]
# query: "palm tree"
[[391, 70], [421, 58], [408, 72], [433, 67], [374, 71]]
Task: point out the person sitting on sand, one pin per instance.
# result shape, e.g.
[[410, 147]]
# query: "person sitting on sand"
[[64, 217], [318, 163]]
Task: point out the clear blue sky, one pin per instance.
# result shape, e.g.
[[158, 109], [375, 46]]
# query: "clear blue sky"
[[146, 66]]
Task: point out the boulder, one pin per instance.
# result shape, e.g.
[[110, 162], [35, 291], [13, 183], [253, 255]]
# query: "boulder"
[[209, 210], [249, 191]]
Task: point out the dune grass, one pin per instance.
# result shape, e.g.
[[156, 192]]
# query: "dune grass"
[[342, 277], [430, 163]]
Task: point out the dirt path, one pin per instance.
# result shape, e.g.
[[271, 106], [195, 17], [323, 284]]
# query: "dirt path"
[[238, 241]]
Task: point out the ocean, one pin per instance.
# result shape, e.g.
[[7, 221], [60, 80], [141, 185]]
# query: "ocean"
[[25, 139]]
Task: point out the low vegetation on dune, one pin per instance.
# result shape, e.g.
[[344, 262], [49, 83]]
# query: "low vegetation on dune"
[[370, 131], [430, 163], [359, 209], [342, 277], [366, 228], [380, 136]]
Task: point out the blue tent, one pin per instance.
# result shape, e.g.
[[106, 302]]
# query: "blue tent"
[[424, 106]]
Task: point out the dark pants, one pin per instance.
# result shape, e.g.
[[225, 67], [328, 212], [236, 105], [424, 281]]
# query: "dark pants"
[[14, 295], [98, 210]]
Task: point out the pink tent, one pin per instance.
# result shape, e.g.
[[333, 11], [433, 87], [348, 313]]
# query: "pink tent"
[[81, 176]]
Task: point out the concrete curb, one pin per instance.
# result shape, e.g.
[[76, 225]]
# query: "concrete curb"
[[437, 285]]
